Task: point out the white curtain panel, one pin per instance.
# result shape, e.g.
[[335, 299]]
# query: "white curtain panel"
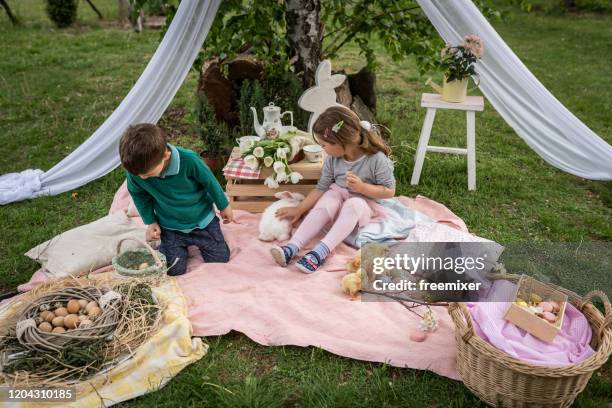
[[145, 102], [533, 112]]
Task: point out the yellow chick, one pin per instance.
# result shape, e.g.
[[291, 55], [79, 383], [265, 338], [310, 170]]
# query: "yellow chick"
[[355, 263], [351, 284]]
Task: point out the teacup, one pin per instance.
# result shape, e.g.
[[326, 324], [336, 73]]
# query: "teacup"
[[314, 153], [246, 142]]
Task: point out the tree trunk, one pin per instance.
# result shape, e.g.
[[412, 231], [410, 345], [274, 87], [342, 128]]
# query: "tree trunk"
[[305, 36], [11, 16], [124, 10]]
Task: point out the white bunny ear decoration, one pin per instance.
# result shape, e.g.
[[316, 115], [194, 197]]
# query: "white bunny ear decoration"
[[321, 96]]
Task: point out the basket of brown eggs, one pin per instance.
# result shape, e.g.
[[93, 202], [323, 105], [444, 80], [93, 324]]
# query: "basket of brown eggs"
[[71, 315]]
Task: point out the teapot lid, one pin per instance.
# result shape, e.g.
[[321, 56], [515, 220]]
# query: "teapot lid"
[[271, 107]]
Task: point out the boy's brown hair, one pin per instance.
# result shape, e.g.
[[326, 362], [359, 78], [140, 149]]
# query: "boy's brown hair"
[[350, 131], [142, 147]]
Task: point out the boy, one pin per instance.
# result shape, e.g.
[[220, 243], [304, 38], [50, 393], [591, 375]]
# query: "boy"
[[174, 192]]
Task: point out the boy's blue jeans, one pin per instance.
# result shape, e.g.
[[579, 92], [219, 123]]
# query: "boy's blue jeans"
[[209, 240]]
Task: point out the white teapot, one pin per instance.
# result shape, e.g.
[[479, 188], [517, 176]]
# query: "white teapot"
[[271, 128]]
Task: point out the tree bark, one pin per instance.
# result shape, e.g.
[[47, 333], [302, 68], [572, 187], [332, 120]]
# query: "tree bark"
[[10, 14], [124, 11], [304, 36]]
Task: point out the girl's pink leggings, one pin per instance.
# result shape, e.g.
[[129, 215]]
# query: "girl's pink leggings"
[[336, 206]]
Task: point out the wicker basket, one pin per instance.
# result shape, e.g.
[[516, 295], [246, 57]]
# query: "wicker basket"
[[159, 267], [32, 338], [504, 381]]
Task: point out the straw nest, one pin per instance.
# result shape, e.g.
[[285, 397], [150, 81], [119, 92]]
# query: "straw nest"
[[129, 322]]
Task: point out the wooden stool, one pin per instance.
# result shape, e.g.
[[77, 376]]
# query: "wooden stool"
[[253, 196], [434, 102]]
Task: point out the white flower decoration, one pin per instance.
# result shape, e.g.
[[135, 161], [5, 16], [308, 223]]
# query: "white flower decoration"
[[270, 182], [279, 166], [258, 152], [429, 322], [251, 161], [282, 177], [281, 153], [268, 161], [296, 177]]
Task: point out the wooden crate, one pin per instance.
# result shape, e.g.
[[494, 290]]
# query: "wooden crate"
[[254, 196]]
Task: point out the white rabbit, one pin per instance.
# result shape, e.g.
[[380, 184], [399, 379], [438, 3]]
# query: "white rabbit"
[[322, 95], [270, 227]]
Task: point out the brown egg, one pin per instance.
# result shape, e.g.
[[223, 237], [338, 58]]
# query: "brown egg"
[[59, 329], [549, 317], [46, 315], [85, 323], [94, 312], [83, 303], [61, 311], [58, 321], [45, 327], [71, 321], [91, 304], [49, 316], [73, 306]]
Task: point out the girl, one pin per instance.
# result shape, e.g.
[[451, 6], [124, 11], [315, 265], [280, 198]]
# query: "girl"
[[356, 172]]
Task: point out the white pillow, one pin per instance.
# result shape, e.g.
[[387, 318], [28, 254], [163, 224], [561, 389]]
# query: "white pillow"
[[87, 247]]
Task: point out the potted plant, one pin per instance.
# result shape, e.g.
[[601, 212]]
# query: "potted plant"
[[213, 135], [457, 64]]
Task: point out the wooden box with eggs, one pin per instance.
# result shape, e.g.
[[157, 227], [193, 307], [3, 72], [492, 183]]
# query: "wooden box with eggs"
[[538, 309]]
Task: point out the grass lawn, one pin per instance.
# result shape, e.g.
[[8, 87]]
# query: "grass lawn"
[[58, 86]]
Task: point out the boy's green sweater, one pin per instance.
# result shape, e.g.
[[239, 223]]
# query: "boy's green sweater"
[[182, 197]]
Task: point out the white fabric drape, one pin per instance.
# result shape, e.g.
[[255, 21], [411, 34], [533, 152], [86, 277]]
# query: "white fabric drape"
[[533, 112], [145, 102]]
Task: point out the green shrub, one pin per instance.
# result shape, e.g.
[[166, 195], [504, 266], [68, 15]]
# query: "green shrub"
[[62, 12], [214, 135]]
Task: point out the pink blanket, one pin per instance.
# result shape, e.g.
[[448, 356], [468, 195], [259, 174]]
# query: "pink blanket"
[[281, 306]]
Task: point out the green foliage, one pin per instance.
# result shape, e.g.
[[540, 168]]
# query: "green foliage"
[[62, 12], [214, 135], [284, 89], [281, 88], [458, 63], [563, 6]]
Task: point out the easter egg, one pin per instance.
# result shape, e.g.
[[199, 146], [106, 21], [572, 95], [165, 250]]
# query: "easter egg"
[[418, 336], [546, 307], [59, 329], [83, 303], [554, 305], [549, 317], [535, 298], [45, 327], [61, 311], [143, 265], [73, 306], [58, 321], [71, 321]]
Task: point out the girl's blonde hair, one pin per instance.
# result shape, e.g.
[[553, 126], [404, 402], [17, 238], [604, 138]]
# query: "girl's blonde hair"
[[340, 125]]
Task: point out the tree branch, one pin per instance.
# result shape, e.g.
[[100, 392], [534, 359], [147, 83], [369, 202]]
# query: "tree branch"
[[10, 14]]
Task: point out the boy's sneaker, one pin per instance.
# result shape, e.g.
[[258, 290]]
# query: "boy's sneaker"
[[309, 263], [282, 254]]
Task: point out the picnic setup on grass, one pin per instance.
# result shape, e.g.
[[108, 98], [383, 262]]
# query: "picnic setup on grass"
[[120, 305]]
